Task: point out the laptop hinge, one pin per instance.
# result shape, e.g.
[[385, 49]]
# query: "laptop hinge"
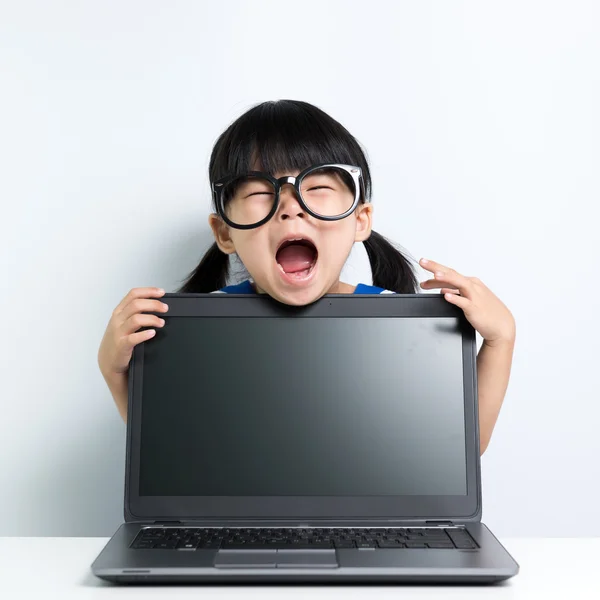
[[167, 522], [441, 523]]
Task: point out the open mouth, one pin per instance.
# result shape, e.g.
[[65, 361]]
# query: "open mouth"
[[297, 258]]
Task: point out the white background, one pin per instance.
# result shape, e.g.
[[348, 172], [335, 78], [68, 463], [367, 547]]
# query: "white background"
[[481, 125]]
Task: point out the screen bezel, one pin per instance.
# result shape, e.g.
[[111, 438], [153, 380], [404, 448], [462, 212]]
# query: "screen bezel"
[[301, 508]]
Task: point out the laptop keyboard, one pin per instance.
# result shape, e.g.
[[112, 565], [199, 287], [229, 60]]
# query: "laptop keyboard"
[[193, 538]]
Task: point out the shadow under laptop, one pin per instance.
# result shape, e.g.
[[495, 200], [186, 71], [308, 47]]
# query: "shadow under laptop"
[[91, 581]]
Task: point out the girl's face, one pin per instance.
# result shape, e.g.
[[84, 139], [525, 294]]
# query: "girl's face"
[[316, 273]]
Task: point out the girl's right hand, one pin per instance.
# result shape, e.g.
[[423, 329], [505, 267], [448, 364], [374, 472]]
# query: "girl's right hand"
[[120, 336]]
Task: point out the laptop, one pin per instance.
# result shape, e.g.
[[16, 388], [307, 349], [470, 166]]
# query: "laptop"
[[332, 442]]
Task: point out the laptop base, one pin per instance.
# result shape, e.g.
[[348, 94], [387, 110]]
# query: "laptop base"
[[489, 563]]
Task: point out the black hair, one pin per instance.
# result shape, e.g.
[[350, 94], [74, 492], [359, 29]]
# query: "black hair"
[[283, 135]]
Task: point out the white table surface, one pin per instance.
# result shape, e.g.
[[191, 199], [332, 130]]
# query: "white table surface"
[[44, 567]]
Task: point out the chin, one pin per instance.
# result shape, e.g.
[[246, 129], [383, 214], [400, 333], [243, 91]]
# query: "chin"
[[294, 292], [295, 296], [298, 298]]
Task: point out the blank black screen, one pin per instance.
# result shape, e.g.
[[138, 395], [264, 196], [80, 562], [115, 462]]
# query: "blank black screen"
[[303, 406]]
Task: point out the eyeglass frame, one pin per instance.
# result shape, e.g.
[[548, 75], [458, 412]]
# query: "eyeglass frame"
[[354, 171]]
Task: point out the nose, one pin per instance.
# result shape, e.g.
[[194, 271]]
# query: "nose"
[[288, 203]]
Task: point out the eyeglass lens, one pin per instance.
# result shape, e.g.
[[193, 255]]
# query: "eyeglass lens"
[[327, 191]]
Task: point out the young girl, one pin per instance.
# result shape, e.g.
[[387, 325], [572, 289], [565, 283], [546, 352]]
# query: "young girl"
[[291, 194]]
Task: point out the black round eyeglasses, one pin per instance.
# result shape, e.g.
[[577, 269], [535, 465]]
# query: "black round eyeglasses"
[[328, 191]]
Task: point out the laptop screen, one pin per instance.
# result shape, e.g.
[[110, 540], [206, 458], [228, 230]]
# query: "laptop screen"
[[360, 406]]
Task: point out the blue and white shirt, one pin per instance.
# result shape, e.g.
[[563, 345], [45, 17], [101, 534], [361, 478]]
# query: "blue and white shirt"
[[246, 288]]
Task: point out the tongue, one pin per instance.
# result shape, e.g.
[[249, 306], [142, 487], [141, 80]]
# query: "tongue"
[[295, 257]]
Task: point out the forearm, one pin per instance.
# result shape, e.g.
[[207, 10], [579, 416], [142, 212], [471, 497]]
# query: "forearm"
[[118, 386], [493, 373]]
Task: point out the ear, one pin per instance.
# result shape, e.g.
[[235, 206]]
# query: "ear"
[[221, 232], [364, 221]]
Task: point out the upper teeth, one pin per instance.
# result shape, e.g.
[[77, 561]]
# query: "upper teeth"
[[292, 240]]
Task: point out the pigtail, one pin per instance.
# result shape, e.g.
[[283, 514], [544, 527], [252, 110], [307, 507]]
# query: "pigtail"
[[210, 275], [390, 268]]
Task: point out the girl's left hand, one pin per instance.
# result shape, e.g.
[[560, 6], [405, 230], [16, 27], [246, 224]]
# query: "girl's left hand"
[[488, 315]]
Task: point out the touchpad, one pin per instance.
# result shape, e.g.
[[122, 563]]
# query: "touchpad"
[[306, 558], [246, 558], [275, 558]]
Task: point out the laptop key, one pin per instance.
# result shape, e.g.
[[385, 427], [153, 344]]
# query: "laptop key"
[[366, 544], [152, 536], [237, 546], [465, 545], [464, 542], [165, 545], [462, 539], [310, 546], [183, 545], [390, 544], [447, 544], [344, 544], [208, 545]]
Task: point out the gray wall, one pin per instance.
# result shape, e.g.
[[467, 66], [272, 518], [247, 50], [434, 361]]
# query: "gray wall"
[[482, 131]]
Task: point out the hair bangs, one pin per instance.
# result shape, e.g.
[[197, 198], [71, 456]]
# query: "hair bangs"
[[282, 136]]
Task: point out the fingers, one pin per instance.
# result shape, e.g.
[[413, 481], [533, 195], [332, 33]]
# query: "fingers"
[[431, 265], [122, 334], [138, 305], [456, 280], [432, 284], [137, 338], [445, 275], [141, 292], [127, 334], [138, 320], [459, 300], [130, 315]]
